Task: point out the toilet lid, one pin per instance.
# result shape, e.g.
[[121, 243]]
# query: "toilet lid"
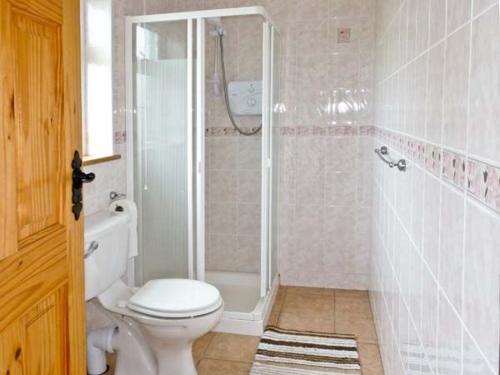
[[175, 298]]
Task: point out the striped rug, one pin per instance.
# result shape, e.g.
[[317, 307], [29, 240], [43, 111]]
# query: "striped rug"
[[287, 352]]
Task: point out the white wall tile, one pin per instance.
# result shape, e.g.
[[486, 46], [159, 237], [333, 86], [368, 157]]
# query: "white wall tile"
[[451, 245], [432, 228], [485, 80], [435, 262], [456, 89], [434, 108], [437, 20], [449, 350], [458, 12], [482, 263]]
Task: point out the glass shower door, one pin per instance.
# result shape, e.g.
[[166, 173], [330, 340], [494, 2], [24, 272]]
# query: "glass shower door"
[[162, 60]]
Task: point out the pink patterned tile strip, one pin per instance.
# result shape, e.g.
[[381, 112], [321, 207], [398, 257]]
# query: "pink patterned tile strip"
[[306, 131], [366, 130], [454, 168], [228, 131], [481, 179], [119, 137], [301, 131], [483, 182]]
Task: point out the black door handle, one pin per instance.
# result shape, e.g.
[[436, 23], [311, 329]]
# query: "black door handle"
[[79, 178]]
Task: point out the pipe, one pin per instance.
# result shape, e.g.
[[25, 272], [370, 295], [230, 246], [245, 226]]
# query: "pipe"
[[134, 355], [99, 342], [226, 94]]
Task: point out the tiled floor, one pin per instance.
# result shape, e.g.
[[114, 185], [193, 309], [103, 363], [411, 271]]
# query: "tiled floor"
[[311, 309]]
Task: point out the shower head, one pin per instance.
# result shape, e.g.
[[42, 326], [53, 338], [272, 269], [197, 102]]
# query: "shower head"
[[217, 32], [218, 29]]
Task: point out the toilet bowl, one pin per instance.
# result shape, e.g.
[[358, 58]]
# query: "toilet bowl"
[[170, 313], [172, 340]]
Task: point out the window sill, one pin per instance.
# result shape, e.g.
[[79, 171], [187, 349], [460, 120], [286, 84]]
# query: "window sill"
[[92, 160]]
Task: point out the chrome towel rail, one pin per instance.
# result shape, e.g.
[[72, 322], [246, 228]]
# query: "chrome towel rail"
[[401, 163]]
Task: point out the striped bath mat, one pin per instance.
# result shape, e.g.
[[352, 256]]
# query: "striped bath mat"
[[286, 352]]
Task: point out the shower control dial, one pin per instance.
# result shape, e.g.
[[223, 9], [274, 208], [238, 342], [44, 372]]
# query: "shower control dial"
[[245, 97]]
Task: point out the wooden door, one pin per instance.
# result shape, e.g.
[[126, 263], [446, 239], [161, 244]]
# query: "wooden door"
[[42, 307]]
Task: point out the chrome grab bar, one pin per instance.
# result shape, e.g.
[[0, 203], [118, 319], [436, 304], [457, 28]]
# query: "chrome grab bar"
[[400, 164], [113, 196]]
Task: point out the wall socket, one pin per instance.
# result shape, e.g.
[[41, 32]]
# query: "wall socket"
[[344, 35]]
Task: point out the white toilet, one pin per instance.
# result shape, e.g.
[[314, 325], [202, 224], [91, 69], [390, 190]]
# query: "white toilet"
[[156, 325]]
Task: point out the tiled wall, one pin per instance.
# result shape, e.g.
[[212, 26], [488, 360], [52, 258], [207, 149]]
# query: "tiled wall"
[[324, 187], [325, 201], [325, 214], [110, 176], [233, 161], [436, 232]]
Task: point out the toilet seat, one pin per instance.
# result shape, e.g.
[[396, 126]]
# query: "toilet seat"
[[175, 299]]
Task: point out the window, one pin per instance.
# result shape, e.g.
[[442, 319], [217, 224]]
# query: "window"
[[97, 78]]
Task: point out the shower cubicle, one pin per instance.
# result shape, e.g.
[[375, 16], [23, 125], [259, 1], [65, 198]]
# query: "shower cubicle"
[[202, 153]]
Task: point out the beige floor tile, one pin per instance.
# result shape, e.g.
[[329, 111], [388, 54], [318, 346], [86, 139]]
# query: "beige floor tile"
[[371, 363], [231, 347], [364, 329], [200, 346], [339, 293], [299, 323], [309, 291], [309, 305], [352, 307], [218, 367], [111, 359], [273, 317], [280, 299], [297, 308]]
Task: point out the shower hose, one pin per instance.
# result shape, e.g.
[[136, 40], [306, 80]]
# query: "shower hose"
[[226, 95]]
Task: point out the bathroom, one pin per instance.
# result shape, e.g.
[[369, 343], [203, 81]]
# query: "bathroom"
[[316, 182]]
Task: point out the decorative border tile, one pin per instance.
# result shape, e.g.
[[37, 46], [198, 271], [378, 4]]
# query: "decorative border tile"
[[481, 180], [119, 137], [287, 131], [228, 131], [454, 168], [301, 131], [329, 131], [366, 130]]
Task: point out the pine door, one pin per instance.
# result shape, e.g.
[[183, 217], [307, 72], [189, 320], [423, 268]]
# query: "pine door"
[[41, 263]]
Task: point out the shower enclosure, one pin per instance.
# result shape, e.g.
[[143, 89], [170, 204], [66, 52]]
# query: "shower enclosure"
[[202, 146]]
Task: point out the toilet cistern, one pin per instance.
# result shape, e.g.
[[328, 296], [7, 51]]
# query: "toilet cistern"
[[154, 326]]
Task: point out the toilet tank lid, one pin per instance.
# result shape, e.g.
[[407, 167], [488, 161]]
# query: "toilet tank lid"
[[102, 221]]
